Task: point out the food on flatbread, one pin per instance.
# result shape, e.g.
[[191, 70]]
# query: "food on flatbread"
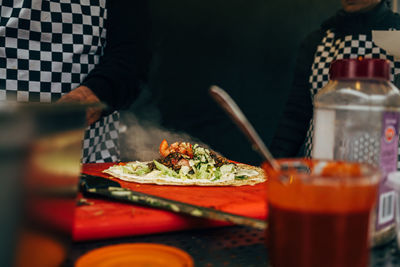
[[186, 164]]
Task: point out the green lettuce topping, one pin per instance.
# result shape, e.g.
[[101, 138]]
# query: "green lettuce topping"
[[201, 166]]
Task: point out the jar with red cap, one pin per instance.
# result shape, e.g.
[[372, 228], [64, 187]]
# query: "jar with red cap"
[[357, 118]]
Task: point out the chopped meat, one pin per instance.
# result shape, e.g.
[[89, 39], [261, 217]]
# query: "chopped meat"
[[151, 166], [219, 160], [174, 161]]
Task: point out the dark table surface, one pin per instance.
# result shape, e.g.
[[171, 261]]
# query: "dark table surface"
[[225, 246]]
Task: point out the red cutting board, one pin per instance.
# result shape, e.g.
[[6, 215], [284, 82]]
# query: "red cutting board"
[[107, 219]]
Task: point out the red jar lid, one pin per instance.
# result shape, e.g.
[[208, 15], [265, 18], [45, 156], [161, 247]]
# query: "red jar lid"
[[370, 68]]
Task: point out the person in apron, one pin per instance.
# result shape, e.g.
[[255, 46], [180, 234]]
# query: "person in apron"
[[77, 50], [348, 34]]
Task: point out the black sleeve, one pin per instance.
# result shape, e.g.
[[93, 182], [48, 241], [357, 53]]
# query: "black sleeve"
[[293, 125], [115, 80]]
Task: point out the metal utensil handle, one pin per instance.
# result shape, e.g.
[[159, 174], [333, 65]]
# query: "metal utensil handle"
[[227, 103], [177, 207]]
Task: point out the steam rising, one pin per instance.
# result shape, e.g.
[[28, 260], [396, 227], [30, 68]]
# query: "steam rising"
[[140, 138]]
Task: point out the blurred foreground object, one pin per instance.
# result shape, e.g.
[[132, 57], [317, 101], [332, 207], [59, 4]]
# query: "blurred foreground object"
[[41, 180], [356, 119], [136, 254], [320, 215], [16, 131]]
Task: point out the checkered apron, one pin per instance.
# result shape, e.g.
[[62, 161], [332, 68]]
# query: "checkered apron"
[[47, 47], [333, 47]]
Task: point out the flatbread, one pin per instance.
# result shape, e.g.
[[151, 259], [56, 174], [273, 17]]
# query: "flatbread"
[[155, 177]]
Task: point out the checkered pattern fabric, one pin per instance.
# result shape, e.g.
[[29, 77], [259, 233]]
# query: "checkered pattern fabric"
[[47, 47], [332, 48], [101, 140]]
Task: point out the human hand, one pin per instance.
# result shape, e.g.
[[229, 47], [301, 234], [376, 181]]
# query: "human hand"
[[83, 94]]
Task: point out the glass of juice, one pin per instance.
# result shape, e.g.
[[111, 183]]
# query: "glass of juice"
[[319, 213]]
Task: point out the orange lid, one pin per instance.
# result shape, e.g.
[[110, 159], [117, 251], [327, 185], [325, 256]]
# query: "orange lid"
[[137, 254]]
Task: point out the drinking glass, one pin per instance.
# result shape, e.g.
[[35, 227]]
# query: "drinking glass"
[[320, 212]]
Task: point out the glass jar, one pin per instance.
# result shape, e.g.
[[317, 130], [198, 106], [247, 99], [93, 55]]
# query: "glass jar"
[[356, 118]]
